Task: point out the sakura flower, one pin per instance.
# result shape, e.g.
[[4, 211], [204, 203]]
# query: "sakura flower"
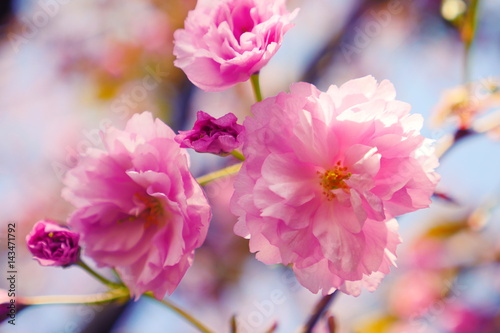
[[209, 135], [324, 175], [226, 41], [52, 244], [466, 102], [139, 209]]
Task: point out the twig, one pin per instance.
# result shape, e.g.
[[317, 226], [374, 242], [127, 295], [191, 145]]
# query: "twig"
[[319, 309]]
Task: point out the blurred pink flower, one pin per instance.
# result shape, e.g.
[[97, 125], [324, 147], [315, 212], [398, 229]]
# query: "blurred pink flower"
[[209, 135], [459, 317], [324, 174], [52, 244], [466, 102], [226, 41], [428, 287], [139, 209]]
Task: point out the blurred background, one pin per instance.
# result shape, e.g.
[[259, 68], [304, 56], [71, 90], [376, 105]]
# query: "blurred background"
[[71, 68]]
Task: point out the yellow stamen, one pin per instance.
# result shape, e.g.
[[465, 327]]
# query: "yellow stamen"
[[333, 179]]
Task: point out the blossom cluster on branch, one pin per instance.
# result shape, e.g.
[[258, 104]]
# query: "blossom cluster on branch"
[[323, 174]]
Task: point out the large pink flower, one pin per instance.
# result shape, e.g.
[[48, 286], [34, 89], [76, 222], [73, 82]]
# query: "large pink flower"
[[139, 209], [226, 41], [324, 176]]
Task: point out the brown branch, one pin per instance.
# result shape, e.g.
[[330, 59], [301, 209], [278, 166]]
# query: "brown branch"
[[318, 311], [481, 126]]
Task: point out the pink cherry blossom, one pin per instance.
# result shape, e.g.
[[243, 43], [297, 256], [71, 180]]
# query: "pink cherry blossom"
[[139, 209], [52, 244], [226, 41], [324, 175]]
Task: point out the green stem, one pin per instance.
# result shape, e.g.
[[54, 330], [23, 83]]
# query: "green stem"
[[98, 276], [468, 33], [466, 67], [256, 86], [203, 180], [238, 155], [115, 273], [76, 299], [195, 322]]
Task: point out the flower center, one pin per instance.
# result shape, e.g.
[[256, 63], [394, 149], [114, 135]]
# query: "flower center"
[[151, 213], [242, 20], [333, 179]]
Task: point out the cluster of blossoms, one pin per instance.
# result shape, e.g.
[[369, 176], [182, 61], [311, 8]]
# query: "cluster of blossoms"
[[324, 176]]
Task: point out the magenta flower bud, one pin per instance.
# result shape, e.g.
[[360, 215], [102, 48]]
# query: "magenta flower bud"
[[52, 244], [209, 135]]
